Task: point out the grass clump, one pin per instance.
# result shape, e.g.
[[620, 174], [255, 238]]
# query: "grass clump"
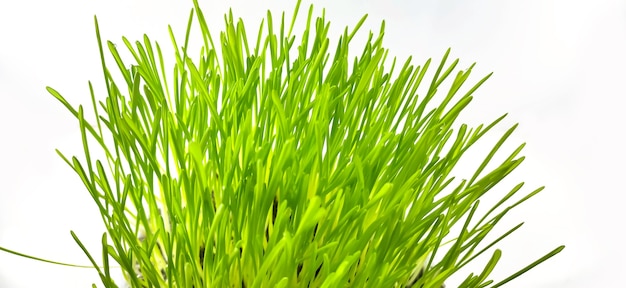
[[282, 161]]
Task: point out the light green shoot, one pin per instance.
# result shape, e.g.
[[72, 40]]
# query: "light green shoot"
[[288, 163]]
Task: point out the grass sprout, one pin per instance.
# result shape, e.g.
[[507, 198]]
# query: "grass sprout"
[[286, 161]]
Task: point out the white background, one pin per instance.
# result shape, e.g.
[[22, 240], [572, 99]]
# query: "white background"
[[559, 71]]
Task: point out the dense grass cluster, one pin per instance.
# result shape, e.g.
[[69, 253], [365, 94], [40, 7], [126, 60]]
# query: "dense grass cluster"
[[284, 161]]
